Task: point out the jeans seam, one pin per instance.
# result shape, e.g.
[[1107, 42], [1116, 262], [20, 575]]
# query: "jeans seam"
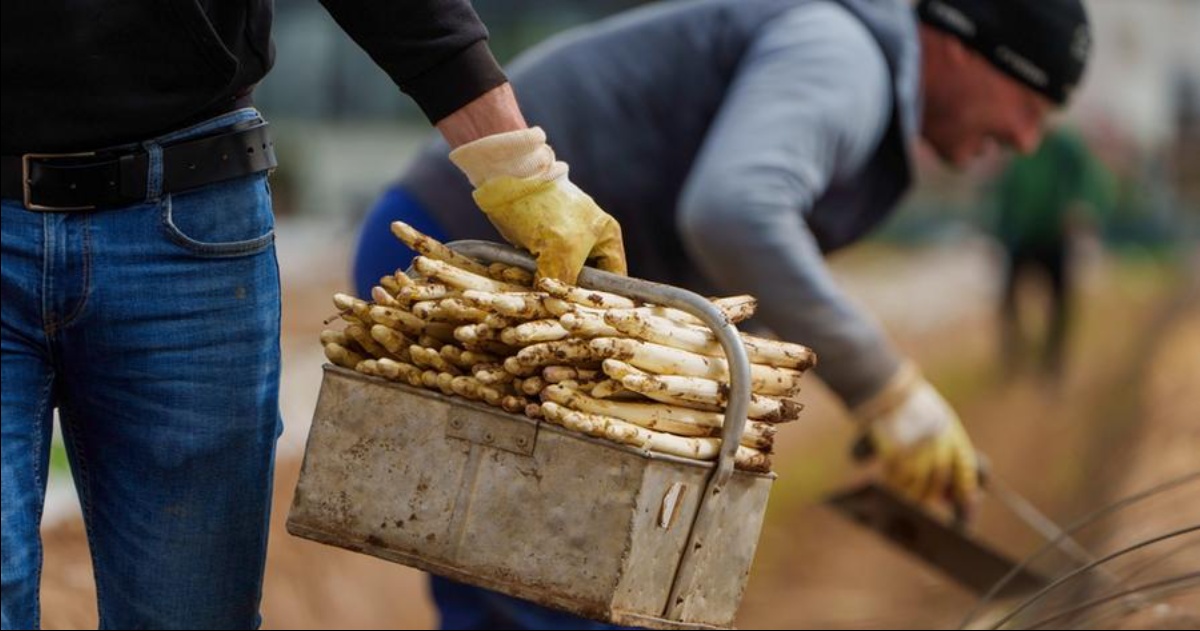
[[47, 253], [231, 249], [154, 170], [38, 477], [69, 424], [87, 277]]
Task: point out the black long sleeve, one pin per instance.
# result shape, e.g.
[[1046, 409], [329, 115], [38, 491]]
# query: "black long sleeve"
[[435, 50]]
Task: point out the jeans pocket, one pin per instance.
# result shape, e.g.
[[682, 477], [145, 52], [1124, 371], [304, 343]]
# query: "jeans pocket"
[[226, 219]]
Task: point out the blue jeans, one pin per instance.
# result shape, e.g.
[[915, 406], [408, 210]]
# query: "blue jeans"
[[154, 329], [460, 606]]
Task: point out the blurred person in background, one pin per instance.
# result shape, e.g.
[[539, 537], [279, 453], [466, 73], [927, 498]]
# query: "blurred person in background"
[[738, 143], [1041, 202], [140, 287]]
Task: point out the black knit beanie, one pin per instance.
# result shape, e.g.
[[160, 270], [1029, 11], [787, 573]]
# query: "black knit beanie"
[[1042, 43]]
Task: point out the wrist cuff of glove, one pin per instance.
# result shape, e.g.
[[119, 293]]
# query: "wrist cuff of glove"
[[895, 392], [519, 154]]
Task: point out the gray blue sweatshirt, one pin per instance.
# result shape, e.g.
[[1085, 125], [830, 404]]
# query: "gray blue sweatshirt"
[[736, 141]]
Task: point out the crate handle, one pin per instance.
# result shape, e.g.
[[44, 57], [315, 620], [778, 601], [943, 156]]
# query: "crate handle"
[[689, 572]]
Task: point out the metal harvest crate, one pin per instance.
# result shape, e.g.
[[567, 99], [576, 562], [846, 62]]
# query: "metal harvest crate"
[[531, 509]]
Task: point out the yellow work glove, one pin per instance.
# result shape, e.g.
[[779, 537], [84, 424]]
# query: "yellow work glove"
[[925, 452], [525, 193]]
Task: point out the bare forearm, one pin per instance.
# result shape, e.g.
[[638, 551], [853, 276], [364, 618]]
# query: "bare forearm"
[[496, 111]]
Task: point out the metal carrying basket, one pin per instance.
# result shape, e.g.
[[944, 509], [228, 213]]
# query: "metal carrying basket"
[[531, 509]]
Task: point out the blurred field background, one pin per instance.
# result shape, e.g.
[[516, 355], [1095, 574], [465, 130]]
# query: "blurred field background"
[[1123, 416]]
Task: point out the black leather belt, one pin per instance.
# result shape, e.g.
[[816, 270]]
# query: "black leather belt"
[[106, 179]]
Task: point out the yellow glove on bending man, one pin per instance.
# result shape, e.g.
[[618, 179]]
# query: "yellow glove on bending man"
[[525, 193], [924, 449]]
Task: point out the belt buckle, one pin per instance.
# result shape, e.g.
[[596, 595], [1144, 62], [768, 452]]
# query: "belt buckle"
[[28, 193]]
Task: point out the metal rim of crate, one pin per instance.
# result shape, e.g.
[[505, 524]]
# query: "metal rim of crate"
[[737, 361]]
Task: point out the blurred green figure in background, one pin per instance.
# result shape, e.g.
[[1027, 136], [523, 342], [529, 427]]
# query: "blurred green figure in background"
[[1041, 201]]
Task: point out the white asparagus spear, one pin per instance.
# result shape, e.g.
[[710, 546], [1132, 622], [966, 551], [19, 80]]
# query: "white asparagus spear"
[[330, 336], [400, 371], [532, 385], [514, 403], [383, 298], [460, 278], [408, 324], [519, 306], [364, 341], [660, 330], [429, 358], [533, 332], [454, 355], [555, 374], [359, 308], [607, 389], [472, 389], [650, 415], [425, 310], [457, 310], [473, 358], [588, 297], [368, 367], [449, 311], [665, 360], [402, 279], [444, 382], [586, 324], [432, 248], [342, 356], [559, 307], [390, 284], [675, 315], [558, 352], [477, 334], [419, 292], [659, 416], [697, 391], [492, 374], [514, 366], [617, 430], [737, 308], [394, 341]]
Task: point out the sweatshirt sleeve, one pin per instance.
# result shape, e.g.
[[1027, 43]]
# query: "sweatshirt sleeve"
[[811, 101], [435, 50]]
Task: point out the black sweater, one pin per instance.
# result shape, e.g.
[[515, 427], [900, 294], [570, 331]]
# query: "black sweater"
[[85, 74]]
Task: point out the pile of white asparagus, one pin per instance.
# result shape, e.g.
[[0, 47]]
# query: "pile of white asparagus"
[[594, 362]]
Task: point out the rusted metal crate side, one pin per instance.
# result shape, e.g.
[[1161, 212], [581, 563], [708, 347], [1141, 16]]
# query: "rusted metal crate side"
[[662, 519], [419, 478], [354, 451], [591, 497], [710, 593], [565, 493]]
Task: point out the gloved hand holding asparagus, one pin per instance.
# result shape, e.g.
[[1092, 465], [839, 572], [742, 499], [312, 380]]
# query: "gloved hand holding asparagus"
[[595, 362]]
